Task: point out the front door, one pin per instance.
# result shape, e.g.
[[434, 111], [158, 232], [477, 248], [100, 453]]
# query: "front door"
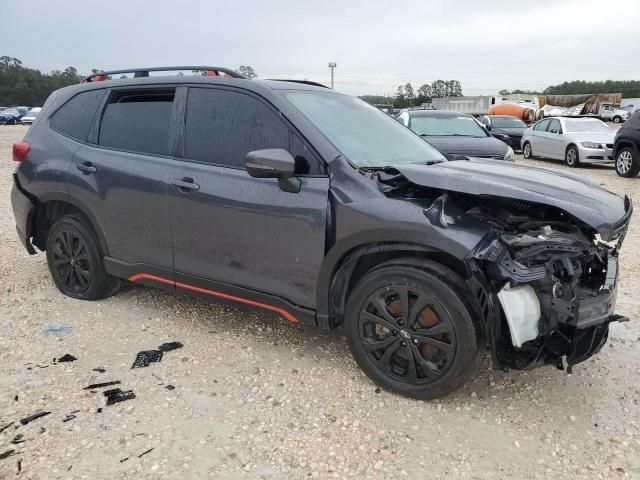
[[234, 229]]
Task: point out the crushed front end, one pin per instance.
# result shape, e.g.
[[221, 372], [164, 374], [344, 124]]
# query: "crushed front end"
[[552, 280]]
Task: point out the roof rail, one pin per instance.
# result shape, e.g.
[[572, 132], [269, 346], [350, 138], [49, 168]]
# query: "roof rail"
[[305, 82], [144, 72]]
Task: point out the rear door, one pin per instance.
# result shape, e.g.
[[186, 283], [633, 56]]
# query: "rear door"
[[121, 175], [231, 228]]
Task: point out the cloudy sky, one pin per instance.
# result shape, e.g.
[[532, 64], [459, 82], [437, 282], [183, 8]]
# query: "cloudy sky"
[[487, 45]]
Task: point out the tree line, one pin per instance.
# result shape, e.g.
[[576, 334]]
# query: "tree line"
[[628, 88], [20, 85], [406, 96]]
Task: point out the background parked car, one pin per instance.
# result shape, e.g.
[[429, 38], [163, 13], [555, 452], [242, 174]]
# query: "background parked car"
[[626, 147], [574, 140], [454, 133], [10, 116], [30, 116], [507, 128]]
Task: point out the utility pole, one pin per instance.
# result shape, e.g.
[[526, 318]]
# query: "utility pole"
[[332, 65]]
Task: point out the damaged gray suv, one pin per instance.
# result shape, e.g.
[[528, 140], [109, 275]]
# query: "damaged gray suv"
[[311, 204]]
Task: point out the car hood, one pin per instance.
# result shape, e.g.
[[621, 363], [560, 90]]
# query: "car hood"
[[579, 197], [514, 132], [598, 137], [482, 146]]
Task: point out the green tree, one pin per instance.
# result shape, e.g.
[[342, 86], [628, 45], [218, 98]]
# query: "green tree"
[[247, 71], [424, 94], [454, 89], [409, 94], [399, 100], [439, 89]]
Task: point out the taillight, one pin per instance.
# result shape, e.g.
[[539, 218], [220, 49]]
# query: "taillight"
[[20, 151]]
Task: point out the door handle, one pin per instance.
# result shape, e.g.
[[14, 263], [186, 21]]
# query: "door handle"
[[86, 167], [185, 184]]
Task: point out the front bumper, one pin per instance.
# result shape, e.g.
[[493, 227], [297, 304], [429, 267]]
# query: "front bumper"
[[596, 155]]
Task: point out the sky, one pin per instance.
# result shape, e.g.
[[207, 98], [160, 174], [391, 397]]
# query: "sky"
[[487, 45]]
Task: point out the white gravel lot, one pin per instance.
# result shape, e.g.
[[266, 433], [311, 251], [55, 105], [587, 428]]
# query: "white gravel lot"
[[256, 397]]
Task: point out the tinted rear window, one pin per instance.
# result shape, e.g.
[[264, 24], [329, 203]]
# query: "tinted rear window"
[[138, 122], [74, 117], [223, 126]]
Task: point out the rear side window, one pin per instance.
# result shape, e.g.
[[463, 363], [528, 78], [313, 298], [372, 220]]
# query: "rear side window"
[[138, 121], [74, 117], [223, 126]]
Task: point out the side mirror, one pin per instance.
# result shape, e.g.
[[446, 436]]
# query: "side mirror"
[[487, 126], [270, 163]]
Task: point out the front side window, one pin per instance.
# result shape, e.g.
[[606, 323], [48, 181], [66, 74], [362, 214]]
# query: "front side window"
[[222, 126], [362, 133], [138, 121], [74, 117], [541, 126], [447, 126], [554, 126]]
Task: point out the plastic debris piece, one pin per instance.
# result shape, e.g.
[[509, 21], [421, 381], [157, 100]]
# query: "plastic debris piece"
[[4, 427], [67, 358], [115, 395], [100, 385], [52, 331], [170, 387], [33, 417], [145, 452], [99, 370], [7, 454], [70, 416], [17, 439], [167, 347], [144, 358]]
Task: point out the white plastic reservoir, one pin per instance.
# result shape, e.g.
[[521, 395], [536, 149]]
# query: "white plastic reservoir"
[[522, 309]]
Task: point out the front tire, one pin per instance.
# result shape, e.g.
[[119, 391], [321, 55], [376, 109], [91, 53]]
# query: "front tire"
[[617, 119], [571, 156], [627, 163], [75, 260], [410, 328], [526, 151]]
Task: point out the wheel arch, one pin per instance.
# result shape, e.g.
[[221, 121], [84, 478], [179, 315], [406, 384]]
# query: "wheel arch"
[[54, 206], [345, 266]]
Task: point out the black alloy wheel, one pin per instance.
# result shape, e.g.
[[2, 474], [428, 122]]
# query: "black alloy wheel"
[[75, 260], [410, 328]]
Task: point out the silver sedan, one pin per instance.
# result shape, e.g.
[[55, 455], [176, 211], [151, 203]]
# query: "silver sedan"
[[574, 140]]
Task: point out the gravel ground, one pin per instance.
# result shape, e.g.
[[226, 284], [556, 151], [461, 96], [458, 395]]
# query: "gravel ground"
[[256, 397]]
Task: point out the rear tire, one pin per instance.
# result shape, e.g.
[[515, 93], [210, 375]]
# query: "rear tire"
[[75, 260], [410, 328], [527, 153], [627, 163], [571, 156]]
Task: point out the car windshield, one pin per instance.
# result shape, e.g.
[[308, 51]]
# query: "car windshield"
[[447, 126], [363, 134], [10, 112], [507, 122], [591, 126]]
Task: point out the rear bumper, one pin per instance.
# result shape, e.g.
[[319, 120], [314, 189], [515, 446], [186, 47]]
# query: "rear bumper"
[[22, 208]]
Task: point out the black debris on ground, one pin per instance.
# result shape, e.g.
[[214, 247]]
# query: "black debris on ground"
[[66, 358], [17, 439], [122, 460], [19, 467], [70, 416], [15, 399], [167, 347], [99, 410], [33, 417], [99, 370], [144, 358], [170, 387], [7, 454], [145, 452], [115, 395], [4, 427], [103, 384]]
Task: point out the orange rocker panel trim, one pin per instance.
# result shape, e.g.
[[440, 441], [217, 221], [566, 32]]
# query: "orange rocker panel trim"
[[284, 313]]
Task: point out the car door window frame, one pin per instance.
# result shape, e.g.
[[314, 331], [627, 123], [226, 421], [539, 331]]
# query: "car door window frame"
[[180, 148], [537, 126], [94, 131]]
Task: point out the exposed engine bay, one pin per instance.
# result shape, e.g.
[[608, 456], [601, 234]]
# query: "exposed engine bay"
[[545, 282]]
